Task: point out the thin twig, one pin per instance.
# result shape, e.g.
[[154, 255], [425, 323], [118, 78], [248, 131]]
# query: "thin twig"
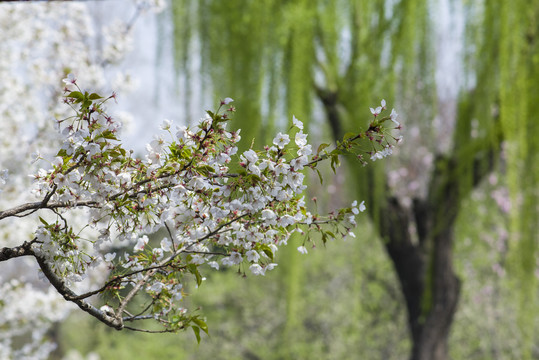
[[150, 331]]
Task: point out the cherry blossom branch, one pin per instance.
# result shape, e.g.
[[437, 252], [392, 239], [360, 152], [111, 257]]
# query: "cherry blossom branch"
[[25, 249], [42, 205], [71, 296], [150, 331], [184, 186], [136, 289], [165, 262], [118, 278]]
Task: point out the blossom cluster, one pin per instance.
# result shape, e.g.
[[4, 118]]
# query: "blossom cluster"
[[40, 41], [24, 298], [219, 207], [387, 147]]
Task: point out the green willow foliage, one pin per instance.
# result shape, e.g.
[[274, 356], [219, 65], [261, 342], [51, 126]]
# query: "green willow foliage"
[[519, 106], [274, 52], [350, 54]]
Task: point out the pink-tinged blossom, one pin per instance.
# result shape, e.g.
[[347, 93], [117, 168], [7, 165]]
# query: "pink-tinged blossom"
[[92, 149], [156, 144], [109, 257], [60, 180], [70, 79], [386, 151], [281, 140], [70, 82], [268, 215], [393, 116], [299, 162], [156, 287], [305, 150], [251, 156], [286, 220], [252, 256], [301, 139], [376, 111], [58, 161], [153, 157], [362, 206], [166, 245], [354, 208], [297, 123], [234, 259], [256, 269], [165, 125], [158, 253], [281, 168], [36, 156], [176, 290], [295, 179], [141, 243], [266, 164], [254, 169], [183, 133], [197, 259]]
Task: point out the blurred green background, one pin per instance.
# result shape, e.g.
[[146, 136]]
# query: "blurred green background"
[[449, 247]]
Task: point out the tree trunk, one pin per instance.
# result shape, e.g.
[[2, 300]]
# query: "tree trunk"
[[430, 288], [424, 264], [429, 285], [425, 267]]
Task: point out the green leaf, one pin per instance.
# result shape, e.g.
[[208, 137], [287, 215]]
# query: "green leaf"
[[186, 154], [174, 150], [62, 153], [43, 221], [196, 330], [86, 104], [212, 115], [201, 324], [338, 151], [253, 179], [107, 134], [322, 147], [94, 96], [348, 135], [193, 269], [75, 95], [205, 170], [267, 250], [335, 162], [320, 176], [165, 170]]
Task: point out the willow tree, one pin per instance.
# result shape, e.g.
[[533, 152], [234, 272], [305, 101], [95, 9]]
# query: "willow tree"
[[519, 91], [345, 56]]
